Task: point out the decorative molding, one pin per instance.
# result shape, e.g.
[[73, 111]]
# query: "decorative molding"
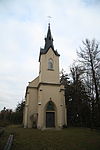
[[45, 83]]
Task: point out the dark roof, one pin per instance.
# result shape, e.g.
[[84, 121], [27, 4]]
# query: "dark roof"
[[48, 44]]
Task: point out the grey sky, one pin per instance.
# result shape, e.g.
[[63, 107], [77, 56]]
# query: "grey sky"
[[23, 26]]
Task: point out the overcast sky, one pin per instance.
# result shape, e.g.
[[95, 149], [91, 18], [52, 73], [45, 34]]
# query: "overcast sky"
[[23, 26]]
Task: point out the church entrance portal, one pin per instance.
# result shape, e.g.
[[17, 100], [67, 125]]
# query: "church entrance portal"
[[50, 115], [50, 119]]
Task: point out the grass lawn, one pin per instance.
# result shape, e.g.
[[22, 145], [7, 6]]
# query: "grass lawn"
[[66, 139]]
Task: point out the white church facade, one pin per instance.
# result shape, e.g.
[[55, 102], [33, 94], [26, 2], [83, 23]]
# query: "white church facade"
[[44, 99]]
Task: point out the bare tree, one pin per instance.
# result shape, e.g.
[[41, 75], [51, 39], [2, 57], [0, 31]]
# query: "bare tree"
[[89, 57]]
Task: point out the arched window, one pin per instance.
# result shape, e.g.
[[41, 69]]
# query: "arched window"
[[50, 64], [50, 106]]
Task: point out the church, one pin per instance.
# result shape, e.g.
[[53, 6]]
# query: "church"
[[44, 99]]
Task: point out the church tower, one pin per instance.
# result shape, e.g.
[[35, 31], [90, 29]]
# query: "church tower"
[[45, 101], [49, 61]]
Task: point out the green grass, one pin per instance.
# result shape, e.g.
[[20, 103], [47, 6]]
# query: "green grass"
[[66, 139]]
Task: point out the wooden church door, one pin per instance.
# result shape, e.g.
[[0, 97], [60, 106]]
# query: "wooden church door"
[[50, 119], [50, 115]]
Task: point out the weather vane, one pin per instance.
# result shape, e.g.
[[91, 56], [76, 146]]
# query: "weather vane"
[[49, 19]]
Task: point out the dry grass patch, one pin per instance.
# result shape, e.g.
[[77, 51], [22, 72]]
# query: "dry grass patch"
[[66, 139]]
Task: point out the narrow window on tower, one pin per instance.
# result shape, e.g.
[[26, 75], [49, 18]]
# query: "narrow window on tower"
[[50, 64]]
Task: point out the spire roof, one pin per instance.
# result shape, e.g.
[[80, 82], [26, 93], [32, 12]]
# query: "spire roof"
[[48, 39], [48, 43]]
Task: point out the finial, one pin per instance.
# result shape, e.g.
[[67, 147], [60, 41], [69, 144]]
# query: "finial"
[[49, 19], [49, 25]]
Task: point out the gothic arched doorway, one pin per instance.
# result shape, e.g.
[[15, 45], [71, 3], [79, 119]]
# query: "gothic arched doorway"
[[50, 115]]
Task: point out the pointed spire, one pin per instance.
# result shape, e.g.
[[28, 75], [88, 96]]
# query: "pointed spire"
[[49, 32], [48, 39], [48, 44]]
